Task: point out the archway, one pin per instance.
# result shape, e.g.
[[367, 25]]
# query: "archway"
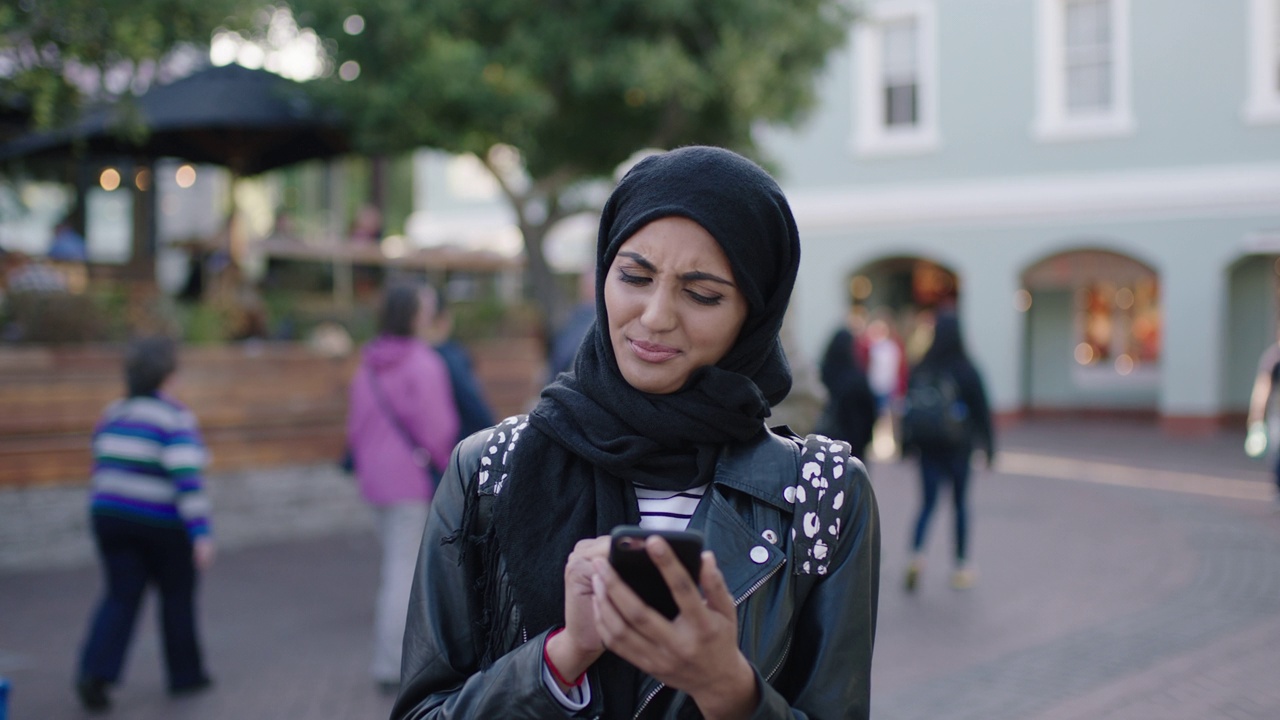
[[1093, 334], [892, 304], [906, 291], [1252, 312]]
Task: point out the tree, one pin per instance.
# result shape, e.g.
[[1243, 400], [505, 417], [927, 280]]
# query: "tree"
[[58, 55], [575, 87]]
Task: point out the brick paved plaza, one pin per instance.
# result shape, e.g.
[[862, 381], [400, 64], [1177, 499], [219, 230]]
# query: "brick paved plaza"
[[1122, 576]]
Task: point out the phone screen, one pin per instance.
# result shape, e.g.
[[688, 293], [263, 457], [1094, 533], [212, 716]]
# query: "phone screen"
[[633, 564]]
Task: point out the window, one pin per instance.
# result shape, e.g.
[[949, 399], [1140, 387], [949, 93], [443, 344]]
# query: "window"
[[901, 77], [896, 79], [1263, 105], [1118, 324], [1083, 69], [1116, 321]]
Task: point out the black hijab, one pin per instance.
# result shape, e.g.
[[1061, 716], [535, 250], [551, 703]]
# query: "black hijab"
[[592, 435]]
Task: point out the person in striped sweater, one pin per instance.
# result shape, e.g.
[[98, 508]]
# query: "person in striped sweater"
[[150, 520]]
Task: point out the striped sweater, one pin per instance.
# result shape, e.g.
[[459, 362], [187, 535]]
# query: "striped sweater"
[[147, 460]]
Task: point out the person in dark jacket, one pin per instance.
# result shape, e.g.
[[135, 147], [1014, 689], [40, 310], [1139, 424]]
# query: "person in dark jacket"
[[949, 462], [851, 410], [473, 410], [515, 610]]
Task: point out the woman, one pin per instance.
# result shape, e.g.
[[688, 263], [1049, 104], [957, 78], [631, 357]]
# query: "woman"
[[946, 372], [150, 519], [402, 424], [515, 609], [851, 410]]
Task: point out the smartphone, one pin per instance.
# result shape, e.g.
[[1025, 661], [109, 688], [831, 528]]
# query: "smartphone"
[[633, 564]]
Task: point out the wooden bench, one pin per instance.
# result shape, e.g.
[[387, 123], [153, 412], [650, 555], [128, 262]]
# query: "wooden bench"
[[259, 405]]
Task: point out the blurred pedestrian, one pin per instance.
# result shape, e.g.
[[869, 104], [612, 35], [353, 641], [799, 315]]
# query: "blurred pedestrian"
[[150, 521], [1263, 422], [851, 410], [401, 426], [564, 345], [886, 360], [473, 410], [68, 244], [946, 416]]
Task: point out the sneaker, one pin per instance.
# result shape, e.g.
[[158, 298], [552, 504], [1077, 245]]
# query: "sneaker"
[[913, 577], [93, 694], [194, 688], [963, 579]]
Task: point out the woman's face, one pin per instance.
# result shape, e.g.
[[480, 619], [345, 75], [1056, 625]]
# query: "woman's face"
[[672, 303]]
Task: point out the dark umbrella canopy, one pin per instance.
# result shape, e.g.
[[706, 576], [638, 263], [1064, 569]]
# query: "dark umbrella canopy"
[[250, 121]]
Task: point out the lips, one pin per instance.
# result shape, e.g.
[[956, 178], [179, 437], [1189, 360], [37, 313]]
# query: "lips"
[[652, 352]]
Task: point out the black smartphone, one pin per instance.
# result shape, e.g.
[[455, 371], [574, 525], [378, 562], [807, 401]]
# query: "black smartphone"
[[633, 564]]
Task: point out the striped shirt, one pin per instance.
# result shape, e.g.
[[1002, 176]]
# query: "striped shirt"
[[147, 462], [668, 509]]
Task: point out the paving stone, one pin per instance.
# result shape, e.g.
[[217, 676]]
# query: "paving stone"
[[1093, 602]]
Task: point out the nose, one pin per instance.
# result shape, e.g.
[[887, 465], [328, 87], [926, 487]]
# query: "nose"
[[659, 312]]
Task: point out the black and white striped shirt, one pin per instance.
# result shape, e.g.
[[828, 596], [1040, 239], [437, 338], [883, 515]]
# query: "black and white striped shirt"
[[668, 509]]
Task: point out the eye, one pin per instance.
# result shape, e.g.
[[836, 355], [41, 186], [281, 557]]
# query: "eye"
[[705, 299], [633, 279]]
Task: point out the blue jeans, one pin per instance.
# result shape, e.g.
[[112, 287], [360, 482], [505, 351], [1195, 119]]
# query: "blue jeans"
[[936, 468], [133, 556]]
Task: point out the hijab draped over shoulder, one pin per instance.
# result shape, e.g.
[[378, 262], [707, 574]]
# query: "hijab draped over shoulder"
[[592, 436]]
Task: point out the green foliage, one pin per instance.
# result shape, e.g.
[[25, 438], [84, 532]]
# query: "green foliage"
[[576, 85], [58, 52]]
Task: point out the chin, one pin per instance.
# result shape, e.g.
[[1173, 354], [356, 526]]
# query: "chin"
[[648, 383]]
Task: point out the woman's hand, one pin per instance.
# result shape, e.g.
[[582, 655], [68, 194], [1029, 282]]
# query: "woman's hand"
[[698, 651], [202, 552], [575, 649]]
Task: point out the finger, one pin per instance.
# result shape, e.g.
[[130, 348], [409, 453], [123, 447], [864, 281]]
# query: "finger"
[[611, 626], [719, 600], [625, 601], [683, 588], [592, 547], [615, 632]]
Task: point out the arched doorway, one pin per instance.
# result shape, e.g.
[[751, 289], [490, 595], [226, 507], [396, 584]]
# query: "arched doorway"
[[1252, 313], [892, 305], [1093, 334], [906, 291]]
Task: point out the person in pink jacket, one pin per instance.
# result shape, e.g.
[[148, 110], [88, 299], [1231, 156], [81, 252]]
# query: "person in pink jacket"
[[401, 428]]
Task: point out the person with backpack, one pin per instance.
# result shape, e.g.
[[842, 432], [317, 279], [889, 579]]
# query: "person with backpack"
[[517, 610], [945, 417]]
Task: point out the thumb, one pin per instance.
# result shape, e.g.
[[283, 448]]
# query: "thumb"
[[714, 588]]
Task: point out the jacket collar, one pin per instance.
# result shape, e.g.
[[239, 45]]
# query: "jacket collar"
[[754, 468]]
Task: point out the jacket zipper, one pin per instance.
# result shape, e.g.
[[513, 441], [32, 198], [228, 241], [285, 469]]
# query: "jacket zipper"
[[654, 693]]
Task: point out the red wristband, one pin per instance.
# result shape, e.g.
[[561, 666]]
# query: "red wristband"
[[555, 672]]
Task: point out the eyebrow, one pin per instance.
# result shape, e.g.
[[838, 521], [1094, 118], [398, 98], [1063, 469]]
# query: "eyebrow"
[[694, 275]]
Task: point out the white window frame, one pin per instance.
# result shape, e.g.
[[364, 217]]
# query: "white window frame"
[[872, 136], [1263, 104], [1053, 121]]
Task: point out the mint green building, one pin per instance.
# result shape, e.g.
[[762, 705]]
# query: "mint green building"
[[1095, 184]]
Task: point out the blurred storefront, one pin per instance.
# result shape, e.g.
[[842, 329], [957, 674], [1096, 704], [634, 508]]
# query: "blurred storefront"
[[1104, 209]]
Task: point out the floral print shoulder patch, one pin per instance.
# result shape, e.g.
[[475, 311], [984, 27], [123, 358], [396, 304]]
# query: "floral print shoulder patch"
[[497, 452], [818, 496]]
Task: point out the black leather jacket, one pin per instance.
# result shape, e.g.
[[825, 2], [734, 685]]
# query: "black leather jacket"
[[808, 637]]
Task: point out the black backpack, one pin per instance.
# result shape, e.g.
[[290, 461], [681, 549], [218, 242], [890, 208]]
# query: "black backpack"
[[934, 415]]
